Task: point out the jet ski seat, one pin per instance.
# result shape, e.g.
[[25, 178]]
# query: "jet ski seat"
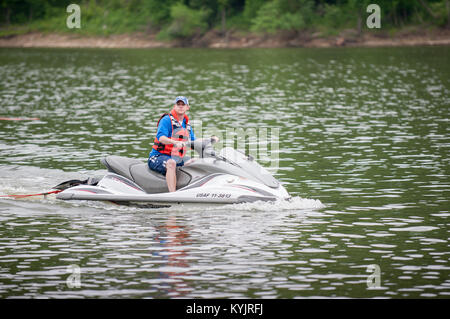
[[139, 172]]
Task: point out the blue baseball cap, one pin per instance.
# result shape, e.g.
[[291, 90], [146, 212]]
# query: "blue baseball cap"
[[182, 98]]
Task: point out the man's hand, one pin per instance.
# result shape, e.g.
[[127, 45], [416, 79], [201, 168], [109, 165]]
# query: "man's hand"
[[214, 139], [179, 144]]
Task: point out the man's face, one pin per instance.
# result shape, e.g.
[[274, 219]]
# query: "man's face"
[[180, 107]]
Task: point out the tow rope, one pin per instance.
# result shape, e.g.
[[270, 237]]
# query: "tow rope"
[[19, 119], [58, 188], [29, 195]]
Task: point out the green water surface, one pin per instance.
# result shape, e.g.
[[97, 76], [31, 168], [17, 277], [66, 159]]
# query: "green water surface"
[[363, 131]]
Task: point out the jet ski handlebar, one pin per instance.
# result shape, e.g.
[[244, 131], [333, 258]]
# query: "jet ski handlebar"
[[203, 147]]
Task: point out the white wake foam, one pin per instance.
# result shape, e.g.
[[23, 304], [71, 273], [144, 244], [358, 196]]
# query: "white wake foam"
[[295, 203]]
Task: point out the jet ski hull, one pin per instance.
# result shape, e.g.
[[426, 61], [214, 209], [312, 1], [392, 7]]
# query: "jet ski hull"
[[226, 178], [213, 189]]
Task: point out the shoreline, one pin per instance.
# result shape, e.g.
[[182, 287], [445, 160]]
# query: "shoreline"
[[232, 39]]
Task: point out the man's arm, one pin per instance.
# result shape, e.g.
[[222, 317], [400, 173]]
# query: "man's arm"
[[166, 140], [165, 130], [214, 139]]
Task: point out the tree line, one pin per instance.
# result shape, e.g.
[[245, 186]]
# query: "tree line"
[[186, 18]]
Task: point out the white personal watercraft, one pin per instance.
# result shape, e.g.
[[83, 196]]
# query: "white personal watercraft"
[[225, 178]]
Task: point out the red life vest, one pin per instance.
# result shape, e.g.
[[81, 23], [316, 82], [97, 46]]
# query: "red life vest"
[[179, 133]]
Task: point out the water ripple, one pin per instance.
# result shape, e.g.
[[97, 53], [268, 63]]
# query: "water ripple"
[[363, 152]]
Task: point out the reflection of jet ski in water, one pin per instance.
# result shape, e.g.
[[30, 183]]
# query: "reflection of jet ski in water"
[[225, 178]]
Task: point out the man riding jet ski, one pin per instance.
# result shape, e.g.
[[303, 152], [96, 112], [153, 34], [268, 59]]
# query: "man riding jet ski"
[[225, 178], [169, 147]]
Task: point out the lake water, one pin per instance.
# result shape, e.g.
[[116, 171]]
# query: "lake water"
[[363, 148]]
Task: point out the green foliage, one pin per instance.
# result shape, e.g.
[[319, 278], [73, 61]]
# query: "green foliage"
[[305, 8], [251, 9], [336, 17], [186, 22], [158, 11], [441, 13], [271, 17], [267, 18], [187, 18], [237, 22]]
